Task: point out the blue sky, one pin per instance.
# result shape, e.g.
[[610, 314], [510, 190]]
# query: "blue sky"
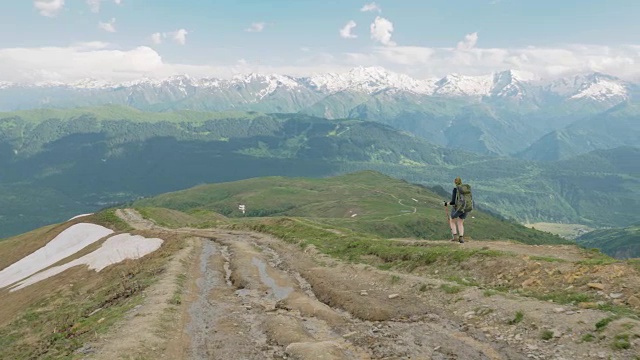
[[64, 40]]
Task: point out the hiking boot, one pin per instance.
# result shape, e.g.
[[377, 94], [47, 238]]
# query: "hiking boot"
[[453, 238], [461, 240]]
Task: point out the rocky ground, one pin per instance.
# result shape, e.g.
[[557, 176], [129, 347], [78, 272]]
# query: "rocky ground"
[[251, 296]]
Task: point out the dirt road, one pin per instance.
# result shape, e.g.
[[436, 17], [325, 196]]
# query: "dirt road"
[[250, 296]]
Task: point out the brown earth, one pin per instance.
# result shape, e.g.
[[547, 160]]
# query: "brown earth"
[[252, 296]]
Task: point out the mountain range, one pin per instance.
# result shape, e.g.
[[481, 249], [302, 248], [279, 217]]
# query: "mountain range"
[[504, 113], [57, 163]]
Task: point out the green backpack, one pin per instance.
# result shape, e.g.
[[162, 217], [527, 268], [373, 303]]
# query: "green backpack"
[[464, 199]]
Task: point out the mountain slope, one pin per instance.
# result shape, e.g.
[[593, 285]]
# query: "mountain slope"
[[82, 160], [619, 126], [619, 243], [518, 107], [364, 201]]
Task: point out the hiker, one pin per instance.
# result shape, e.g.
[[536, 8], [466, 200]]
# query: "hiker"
[[462, 203]]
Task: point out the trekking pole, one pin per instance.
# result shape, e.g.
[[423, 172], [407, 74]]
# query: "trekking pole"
[[446, 209]]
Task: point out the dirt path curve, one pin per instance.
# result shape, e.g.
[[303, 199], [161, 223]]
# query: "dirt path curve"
[[251, 296]]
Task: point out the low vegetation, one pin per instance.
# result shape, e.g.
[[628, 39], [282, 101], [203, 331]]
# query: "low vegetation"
[[54, 321]]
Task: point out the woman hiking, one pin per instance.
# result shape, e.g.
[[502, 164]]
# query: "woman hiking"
[[458, 213]]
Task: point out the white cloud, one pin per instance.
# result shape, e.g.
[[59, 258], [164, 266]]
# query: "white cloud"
[[256, 27], [547, 62], [179, 36], [381, 31], [345, 32], [108, 26], [156, 38], [371, 7], [105, 61], [469, 42], [48, 8], [94, 5]]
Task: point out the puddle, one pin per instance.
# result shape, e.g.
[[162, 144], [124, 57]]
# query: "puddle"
[[278, 291]]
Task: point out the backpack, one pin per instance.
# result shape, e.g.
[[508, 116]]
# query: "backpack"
[[464, 199]]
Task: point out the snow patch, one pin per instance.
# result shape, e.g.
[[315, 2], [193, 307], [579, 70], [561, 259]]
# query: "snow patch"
[[460, 85], [114, 250], [79, 216], [67, 243], [602, 90], [369, 80]]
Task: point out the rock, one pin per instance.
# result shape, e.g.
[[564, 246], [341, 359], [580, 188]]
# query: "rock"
[[469, 314], [558, 310], [348, 335], [616, 295], [86, 349], [393, 296], [596, 286], [570, 312], [328, 350], [364, 293], [634, 301], [530, 282], [531, 347], [587, 305]]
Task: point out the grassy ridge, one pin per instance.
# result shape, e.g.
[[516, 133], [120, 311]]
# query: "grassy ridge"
[[619, 243], [367, 202], [118, 112]]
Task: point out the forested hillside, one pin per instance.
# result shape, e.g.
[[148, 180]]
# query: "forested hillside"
[[56, 164]]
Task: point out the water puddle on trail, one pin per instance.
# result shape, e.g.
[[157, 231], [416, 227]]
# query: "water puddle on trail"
[[278, 291]]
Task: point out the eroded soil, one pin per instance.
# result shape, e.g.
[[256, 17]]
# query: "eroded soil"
[[251, 296]]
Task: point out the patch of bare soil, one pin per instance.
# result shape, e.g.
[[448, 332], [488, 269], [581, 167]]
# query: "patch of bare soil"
[[252, 296]]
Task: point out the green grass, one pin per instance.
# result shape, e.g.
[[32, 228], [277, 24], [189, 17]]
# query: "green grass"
[[450, 289], [588, 337], [364, 202], [517, 318], [602, 324], [621, 342], [63, 320], [548, 259], [118, 112], [546, 335], [109, 219], [560, 297], [176, 298], [363, 248], [490, 292]]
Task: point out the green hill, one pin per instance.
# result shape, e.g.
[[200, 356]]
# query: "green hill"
[[59, 163], [619, 126], [619, 243], [364, 201]]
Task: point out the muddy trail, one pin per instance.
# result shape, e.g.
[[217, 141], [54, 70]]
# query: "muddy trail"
[[251, 296]]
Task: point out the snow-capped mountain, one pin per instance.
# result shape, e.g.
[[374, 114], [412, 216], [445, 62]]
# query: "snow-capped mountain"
[[369, 80], [282, 93], [460, 85], [596, 86]]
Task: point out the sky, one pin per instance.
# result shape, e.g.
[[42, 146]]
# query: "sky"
[[122, 40]]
